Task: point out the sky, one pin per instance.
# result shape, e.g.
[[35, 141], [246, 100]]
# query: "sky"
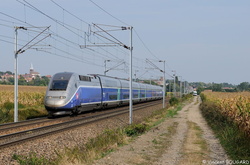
[[200, 40]]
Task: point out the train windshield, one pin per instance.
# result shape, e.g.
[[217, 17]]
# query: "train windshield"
[[59, 85]]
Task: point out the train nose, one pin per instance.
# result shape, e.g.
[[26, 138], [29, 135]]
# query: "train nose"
[[55, 101]]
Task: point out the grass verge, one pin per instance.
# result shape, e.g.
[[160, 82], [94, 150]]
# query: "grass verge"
[[24, 112], [235, 142]]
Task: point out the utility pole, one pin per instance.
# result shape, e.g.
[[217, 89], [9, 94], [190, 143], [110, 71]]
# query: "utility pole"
[[164, 84], [169, 86], [164, 79], [16, 80], [174, 83], [180, 86], [130, 80], [184, 88], [16, 52], [113, 42]]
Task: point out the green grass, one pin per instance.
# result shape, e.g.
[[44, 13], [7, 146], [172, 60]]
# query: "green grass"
[[24, 112], [172, 112], [136, 129], [5, 115], [31, 159]]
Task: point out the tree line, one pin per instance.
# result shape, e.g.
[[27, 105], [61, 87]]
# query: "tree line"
[[223, 87]]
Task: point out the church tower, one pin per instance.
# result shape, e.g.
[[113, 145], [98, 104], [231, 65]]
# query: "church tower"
[[31, 69]]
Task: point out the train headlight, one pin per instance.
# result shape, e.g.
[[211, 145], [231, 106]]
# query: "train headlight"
[[49, 97], [62, 97]]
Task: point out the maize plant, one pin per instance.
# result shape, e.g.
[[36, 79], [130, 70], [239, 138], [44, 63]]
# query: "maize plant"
[[27, 95], [235, 106]]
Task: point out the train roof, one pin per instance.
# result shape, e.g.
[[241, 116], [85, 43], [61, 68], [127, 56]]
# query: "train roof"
[[69, 74], [123, 79]]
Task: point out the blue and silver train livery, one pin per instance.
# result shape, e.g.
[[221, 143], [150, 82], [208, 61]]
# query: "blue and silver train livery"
[[71, 93]]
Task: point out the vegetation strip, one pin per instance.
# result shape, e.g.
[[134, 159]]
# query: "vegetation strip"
[[233, 137]]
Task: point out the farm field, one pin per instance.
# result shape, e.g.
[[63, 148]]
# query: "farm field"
[[235, 106], [30, 102], [28, 95], [228, 114]]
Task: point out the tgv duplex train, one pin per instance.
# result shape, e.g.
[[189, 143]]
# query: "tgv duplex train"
[[71, 93]]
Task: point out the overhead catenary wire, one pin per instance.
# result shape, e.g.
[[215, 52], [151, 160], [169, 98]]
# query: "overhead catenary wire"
[[77, 16], [30, 41], [63, 24], [146, 47], [69, 12], [72, 44], [128, 25], [61, 8], [109, 13], [33, 26]]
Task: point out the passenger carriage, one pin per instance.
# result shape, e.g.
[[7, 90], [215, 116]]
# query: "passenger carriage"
[[69, 93]]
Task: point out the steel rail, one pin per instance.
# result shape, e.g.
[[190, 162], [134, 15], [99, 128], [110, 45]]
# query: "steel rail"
[[7, 126], [37, 121], [14, 138]]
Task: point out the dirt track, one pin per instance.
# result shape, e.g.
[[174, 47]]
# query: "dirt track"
[[184, 139]]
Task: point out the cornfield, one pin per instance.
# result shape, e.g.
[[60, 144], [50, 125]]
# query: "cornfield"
[[235, 106], [27, 95]]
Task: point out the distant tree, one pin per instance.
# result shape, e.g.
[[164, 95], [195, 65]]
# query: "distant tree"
[[9, 72], [4, 83], [22, 81], [199, 90], [45, 80], [148, 82], [244, 86], [11, 80], [37, 81], [170, 86], [228, 85], [176, 80], [217, 87]]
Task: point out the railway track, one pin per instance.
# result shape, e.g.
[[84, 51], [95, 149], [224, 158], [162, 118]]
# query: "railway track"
[[15, 138]]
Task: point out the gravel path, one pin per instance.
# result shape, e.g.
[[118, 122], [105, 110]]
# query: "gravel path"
[[184, 139]]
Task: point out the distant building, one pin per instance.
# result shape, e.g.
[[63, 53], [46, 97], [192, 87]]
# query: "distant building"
[[6, 76], [159, 81], [28, 77], [48, 76], [32, 75]]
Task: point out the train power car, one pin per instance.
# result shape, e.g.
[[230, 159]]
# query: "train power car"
[[71, 93]]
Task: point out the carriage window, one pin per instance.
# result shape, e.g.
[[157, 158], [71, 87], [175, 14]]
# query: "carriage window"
[[136, 95], [84, 78], [112, 97], [125, 96], [59, 85]]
